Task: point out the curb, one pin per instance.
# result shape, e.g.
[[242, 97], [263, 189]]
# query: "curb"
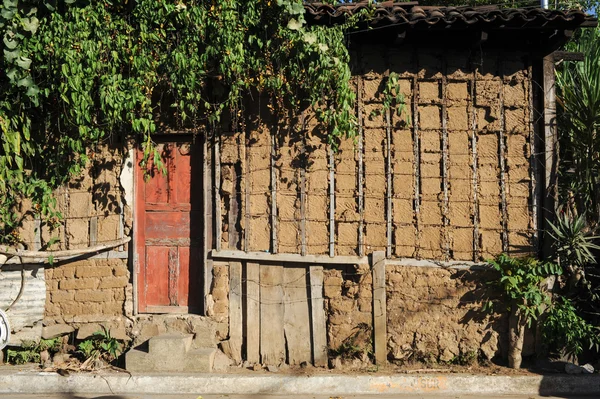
[[431, 384]]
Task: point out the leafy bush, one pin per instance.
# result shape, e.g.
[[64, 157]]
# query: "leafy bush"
[[520, 283], [29, 352], [100, 345], [572, 241], [564, 330]]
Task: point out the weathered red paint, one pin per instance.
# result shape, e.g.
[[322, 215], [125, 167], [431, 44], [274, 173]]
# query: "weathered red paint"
[[168, 224]]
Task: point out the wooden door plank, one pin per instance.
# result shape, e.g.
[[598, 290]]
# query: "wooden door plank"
[[379, 308], [318, 318], [272, 340], [173, 276], [253, 312], [235, 311], [296, 318]]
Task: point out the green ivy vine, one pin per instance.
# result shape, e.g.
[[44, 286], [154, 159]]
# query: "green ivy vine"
[[76, 72]]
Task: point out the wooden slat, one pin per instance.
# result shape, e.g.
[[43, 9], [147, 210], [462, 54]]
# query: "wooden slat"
[[502, 166], [318, 318], [533, 161], [274, 218], [93, 230], [296, 317], [379, 308], [217, 191], [475, 167], [252, 319], [207, 228], [417, 160], [173, 276], [331, 202], [445, 174], [265, 257], [235, 311], [272, 340]]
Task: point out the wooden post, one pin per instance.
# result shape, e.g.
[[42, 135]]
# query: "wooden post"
[[252, 320], [417, 160], [361, 170], [379, 307], [331, 203], [388, 183], [502, 165], [319, 330], [445, 167], [550, 147], [207, 231], [533, 161], [475, 167], [274, 224], [235, 311], [217, 171]]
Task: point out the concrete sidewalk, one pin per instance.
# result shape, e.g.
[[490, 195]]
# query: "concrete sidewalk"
[[113, 383]]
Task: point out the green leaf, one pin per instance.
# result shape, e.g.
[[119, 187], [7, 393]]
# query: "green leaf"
[[30, 24], [293, 24], [24, 62]]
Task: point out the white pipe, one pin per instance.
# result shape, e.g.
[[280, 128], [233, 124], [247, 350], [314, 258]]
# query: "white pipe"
[[545, 4]]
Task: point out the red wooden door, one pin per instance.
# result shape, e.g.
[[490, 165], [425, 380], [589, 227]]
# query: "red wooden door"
[[168, 237]]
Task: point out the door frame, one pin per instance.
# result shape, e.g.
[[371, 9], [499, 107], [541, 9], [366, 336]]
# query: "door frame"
[[138, 242]]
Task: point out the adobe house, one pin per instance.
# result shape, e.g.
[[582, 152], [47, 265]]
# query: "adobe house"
[[262, 239]]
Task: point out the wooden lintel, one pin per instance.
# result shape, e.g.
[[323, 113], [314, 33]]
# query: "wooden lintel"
[[568, 56]]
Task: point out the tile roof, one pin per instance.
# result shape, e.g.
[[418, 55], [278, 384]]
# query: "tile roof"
[[432, 17]]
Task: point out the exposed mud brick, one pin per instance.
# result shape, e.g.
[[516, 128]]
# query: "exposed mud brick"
[[373, 89], [374, 143], [459, 143], [317, 236], [374, 209], [519, 189], [489, 217], [489, 193], [405, 239], [462, 241], [490, 174], [114, 282], [430, 117], [287, 205], [260, 204], [375, 237], [515, 94], [79, 204], [431, 142], [77, 231], [27, 233], [431, 243], [429, 319], [518, 215], [431, 187], [230, 149], [91, 269], [457, 92], [429, 92], [289, 237], [458, 118], [403, 212], [431, 213], [487, 92], [62, 296], [518, 149], [458, 172], [517, 121], [373, 116], [520, 244], [347, 233], [93, 296], [460, 213], [332, 283], [108, 228], [80, 284], [403, 185], [491, 243], [487, 149], [402, 141], [56, 235], [346, 208], [488, 118]]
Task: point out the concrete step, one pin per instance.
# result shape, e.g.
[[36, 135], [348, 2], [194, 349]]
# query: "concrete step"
[[170, 353]]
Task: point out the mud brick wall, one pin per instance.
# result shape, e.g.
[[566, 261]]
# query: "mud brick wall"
[[87, 291], [348, 294], [436, 315], [454, 182], [95, 211]]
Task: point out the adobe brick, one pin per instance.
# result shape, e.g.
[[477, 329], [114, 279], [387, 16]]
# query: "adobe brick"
[[62, 296], [79, 284], [113, 282], [93, 271], [93, 296]]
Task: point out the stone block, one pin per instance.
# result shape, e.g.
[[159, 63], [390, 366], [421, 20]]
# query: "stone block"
[[56, 330]]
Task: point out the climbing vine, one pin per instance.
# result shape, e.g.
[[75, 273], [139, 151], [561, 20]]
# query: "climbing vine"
[[76, 72]]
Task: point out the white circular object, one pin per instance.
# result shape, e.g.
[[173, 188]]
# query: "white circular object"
[[4, 330]]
